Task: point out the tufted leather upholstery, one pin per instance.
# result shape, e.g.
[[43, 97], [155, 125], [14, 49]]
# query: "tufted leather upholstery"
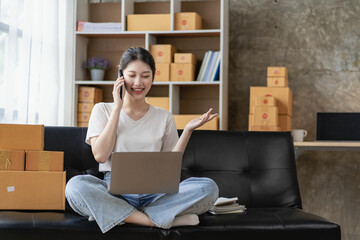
[[257, 167]]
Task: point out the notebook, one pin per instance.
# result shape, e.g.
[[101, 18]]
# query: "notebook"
[[145, 172]]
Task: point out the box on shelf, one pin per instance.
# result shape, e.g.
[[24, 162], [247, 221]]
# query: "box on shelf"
[[31, 190], [277, 82], [90, 94], [82, 124], [277, 72], [188, 21], [264, 128], [161, 102], [148, 22], [182, 119], [265, 101], [85, 107], [44, 161], [182, 72], [83, 117], [163, 53], [285, 122], [162, 73], [266, 116], [283, 98], [21, 137], [185, 58], [13, 160]]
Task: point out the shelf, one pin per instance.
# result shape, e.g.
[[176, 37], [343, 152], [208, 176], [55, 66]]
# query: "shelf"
[[110, 82]]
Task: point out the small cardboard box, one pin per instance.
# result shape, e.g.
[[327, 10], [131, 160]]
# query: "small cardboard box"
[[85, 107], [148, 22], [185, 58], [44, 161], [84, 117], [182, 119], [21, 137], [283, 98], [285, 122], [82, 124], [277, 82], [90, 94], [182, 72], [264, 129], [13, 160], [188, 21], [263, 101], [161, 102], [163, 53], [277, 72], [266, 116], [30, 190], [162, 73]]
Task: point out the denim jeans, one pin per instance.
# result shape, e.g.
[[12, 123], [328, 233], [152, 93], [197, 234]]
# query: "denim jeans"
[[89, 196]]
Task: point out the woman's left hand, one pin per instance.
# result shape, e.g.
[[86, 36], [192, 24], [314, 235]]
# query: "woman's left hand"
[[198, 122]]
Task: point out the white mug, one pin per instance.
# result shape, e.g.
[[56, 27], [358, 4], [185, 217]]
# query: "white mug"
[[298, 134]]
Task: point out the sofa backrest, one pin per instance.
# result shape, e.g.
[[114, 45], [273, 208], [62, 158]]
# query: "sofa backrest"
[[257, 167]]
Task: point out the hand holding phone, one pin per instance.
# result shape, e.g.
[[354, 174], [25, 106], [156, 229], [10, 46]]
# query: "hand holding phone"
[[120, 74]]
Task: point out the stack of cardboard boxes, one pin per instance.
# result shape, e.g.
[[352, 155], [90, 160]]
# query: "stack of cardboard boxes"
[[88, 97], [30, 178], [271, 106]]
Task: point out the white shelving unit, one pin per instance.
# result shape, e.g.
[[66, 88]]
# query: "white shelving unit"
[[185, 97]]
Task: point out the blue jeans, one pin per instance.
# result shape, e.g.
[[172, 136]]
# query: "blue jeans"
[[89, 196]]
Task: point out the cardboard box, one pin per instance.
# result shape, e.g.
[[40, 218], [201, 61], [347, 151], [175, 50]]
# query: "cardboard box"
[[163, 53], [148, 22], [182, 72], [283, 98], [44, 161], [82, 124], [161, 102], [183, 119], [29, 190], [265, 116], [277, 82], [83, 117], [188, 21], [285, 122], [264, 129], [277, 72], [162, 73], [13, 160], [90, 94], [85, 107], [21, 137], [263, 101], [185, 58]]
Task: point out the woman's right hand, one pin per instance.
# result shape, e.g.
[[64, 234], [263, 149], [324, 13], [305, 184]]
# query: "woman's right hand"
[[116, 91]]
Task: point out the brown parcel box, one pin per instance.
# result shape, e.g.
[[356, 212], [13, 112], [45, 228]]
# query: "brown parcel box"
[[12, 160], [83, 117], [266, 116], [148, 22], [277, 72], [188, 21], [264, 129], [90, 94], [183, 119], [30, 190], [184, 58], [82, 124], [44, 161], [161, 102], [163, 53], [162, 73], [285, 124], [21, 137], [85, 107], [263, 101], [182, 72], [283, 98], [277, 82]]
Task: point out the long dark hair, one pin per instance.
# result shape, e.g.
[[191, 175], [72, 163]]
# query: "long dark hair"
[[137, 53]]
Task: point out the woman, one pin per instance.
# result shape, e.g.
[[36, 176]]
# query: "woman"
[[130, 124]]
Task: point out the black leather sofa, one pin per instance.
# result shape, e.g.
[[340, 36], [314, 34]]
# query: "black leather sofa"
[[257, 167]]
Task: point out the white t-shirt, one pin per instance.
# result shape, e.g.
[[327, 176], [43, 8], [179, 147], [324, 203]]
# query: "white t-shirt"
[[154, 132]]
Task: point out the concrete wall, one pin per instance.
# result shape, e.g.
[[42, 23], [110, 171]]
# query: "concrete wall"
[[318, 42]]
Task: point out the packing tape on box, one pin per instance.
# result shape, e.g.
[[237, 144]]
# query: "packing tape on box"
[[44, 161], [5, 159]]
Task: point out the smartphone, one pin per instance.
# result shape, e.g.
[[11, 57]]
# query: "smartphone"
[[120, 74]]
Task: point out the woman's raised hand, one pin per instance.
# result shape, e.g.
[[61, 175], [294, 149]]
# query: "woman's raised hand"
[[198, 122], [116, 91]]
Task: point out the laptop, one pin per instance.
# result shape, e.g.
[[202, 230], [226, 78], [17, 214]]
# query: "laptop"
[[145, 172]]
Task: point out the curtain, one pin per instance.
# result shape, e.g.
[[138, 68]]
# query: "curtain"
[[35, 71]]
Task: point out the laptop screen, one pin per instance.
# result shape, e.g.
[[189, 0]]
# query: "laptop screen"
[[338, 126]]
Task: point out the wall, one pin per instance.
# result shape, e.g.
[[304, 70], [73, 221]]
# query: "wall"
[[318, 42]]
